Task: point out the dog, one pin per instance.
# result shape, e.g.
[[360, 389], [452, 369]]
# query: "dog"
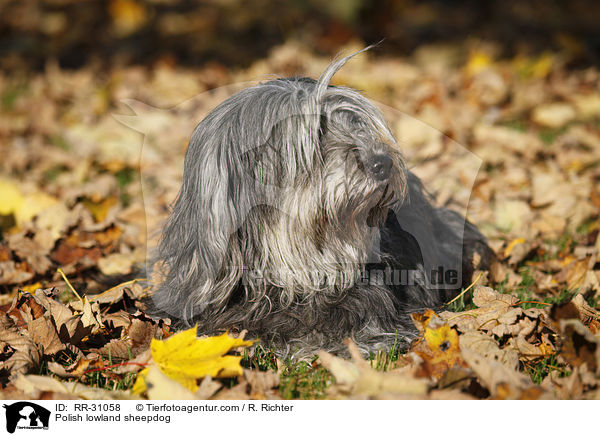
[[298, 221]]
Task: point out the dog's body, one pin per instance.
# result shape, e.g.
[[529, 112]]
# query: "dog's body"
[[298, 221]]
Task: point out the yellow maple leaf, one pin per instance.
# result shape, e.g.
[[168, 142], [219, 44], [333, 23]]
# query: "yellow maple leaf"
[[478, 61], [440, 350], [23, 207], [31, 288], [99, 209], [443, 343], [32, 205], [185, 358], [11, 197]]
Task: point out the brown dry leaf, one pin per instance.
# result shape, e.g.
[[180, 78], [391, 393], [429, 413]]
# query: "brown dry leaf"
[[575, 273], [55, 220], [69, 325], [142, 360], [207, 388], [495, 376], [513, 216], [528, 351], [57, 311], [449, 394], [345, 372], [553, 115], [117, 319], [76, 369], [500, 141], [28, 306], [491, 306], [50, 324], [132, 290], [30, 250], [581, 383], [68, 252], [43, 333], [488, 87], [73, 331], [262, 383], [35, 384], [141, 332], [517, 250], [527, 331], [108, 237], [580, 347], [116, 264], [238, 392], [357, 379], [590, 317], [83, 249], [14, 273], [486, 346], [25, 357], [587, 105], [90, 314], [116, 348], [519, 322]]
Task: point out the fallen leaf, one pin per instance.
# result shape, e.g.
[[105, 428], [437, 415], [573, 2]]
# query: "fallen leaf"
[[491, 306], [553, 115], [185, 358], [116, 264], [579, 345], [356, 379], [76, 369], [38, 383], [486, 346], [494, 375], [43, 333], [25, 357], [440, 349], [14, 273], [261, 383], [23, 206]]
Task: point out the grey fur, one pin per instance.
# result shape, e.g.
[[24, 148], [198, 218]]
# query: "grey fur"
[[287, 204]]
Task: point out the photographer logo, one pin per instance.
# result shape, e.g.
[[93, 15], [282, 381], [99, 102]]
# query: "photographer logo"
[[25, 415]]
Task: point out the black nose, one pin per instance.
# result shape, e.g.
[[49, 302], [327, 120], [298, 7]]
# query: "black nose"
[[380, 167]]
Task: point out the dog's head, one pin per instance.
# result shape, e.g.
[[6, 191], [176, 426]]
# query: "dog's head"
[[285, 185]]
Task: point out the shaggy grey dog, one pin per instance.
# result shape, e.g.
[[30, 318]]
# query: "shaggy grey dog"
[[298, 221]]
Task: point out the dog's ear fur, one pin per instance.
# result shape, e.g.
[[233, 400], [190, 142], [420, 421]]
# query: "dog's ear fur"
[[198, 249]]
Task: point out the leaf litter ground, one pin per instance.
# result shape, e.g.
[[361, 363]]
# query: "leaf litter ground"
[[72, 220]]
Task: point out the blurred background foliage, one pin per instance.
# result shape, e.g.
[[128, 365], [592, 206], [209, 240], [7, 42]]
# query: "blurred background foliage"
[[235, 33]]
